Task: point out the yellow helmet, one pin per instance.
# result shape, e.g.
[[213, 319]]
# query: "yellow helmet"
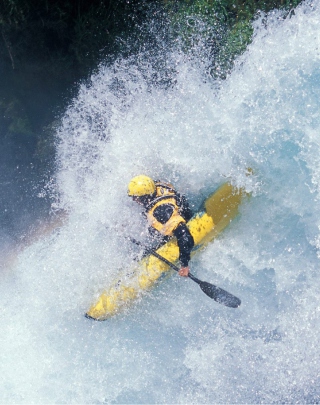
[[141, 185]]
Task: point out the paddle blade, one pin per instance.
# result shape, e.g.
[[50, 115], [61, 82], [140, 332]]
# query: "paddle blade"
[[221, 296]]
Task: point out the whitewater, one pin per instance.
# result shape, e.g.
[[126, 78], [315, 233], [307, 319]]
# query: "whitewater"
[[176, 345]]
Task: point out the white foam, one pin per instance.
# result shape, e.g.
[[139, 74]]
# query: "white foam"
[[176, 345]]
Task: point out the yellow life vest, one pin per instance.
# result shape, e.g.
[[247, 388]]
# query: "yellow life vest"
[[165, 194]]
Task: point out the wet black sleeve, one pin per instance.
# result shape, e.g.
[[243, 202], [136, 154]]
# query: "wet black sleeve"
[[185, 243], [184, 208]]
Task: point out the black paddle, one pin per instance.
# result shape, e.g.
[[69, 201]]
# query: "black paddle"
[[218, 294]]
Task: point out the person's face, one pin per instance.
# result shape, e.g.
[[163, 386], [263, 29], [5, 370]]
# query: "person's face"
[[137, 199]]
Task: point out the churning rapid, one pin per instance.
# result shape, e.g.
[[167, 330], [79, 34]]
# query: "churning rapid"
[[176, 345]]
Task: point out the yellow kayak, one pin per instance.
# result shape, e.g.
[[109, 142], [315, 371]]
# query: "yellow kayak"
[[218, 210]]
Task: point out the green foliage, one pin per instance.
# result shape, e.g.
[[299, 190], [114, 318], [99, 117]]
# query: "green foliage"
[[235, 42], [47, 47], [197, 21], [226, 25], [16, 119]]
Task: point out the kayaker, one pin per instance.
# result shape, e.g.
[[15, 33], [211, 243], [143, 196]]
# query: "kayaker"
[[167, 213]]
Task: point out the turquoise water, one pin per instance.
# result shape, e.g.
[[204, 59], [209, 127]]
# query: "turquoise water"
[[176, 345]]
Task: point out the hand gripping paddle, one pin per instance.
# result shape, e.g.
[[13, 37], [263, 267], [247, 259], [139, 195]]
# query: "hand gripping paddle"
[[216, 293]]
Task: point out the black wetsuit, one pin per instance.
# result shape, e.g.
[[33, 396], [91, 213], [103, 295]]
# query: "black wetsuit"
[[184, 238]]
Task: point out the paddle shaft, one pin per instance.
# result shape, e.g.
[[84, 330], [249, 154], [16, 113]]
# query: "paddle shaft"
[[173, 266], [218, 294]]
